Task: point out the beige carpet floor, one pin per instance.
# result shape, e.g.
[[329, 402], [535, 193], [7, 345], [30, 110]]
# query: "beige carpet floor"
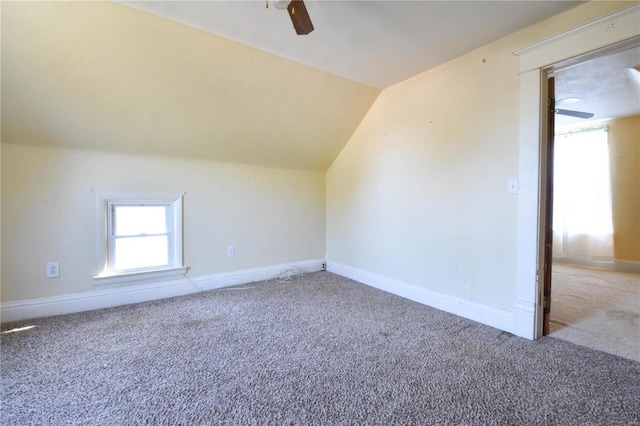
[[596, 308], [320, 350]]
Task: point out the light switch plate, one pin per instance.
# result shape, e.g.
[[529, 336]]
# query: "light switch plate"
[[512, 186]]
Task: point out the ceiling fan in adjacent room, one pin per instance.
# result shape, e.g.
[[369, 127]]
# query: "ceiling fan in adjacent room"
[[298, 14], [570, 112]]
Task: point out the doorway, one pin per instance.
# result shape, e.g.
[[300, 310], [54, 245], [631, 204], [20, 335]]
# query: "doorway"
[[592, 284], [591, 39]]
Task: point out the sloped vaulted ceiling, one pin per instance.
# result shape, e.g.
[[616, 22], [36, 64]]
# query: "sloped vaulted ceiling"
[[100, 75]]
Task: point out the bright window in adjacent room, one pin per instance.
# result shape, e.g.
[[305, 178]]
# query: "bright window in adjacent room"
[[142, 237], [582, 211]]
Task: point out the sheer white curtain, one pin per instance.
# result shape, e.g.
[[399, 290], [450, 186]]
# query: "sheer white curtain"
[[582, 219]]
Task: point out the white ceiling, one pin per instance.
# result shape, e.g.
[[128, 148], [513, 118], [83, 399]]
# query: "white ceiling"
[[378, 43]]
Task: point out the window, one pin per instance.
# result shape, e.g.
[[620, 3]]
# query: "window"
[[143, 239], [582, 211]]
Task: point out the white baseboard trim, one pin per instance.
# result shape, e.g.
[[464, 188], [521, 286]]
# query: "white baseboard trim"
[[99, 299], [524, 319], [493, 317], [613, 265]]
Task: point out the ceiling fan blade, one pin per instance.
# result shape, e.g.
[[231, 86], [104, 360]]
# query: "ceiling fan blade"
[[300, 17], [572, 113]]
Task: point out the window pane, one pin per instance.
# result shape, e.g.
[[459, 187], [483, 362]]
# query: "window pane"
[[141, 252], [136, 220]]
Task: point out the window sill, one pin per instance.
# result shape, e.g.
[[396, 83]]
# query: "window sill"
[[138, 276]]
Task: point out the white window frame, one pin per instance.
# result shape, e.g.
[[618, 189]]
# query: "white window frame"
[[106, 239]]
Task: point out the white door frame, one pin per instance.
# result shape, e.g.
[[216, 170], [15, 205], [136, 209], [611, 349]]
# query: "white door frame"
[[609, 33]]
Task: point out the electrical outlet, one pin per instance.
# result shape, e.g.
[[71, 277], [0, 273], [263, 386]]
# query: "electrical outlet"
[[231, 251], [53, 269]]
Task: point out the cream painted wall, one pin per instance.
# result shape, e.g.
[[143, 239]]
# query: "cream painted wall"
[[419, 193], [271, 216], [624, 151]]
